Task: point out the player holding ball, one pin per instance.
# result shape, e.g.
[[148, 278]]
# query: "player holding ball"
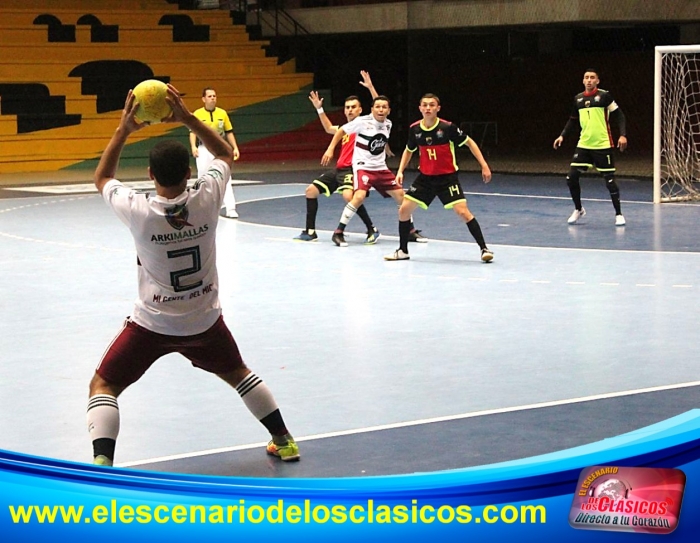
[[178, 307]]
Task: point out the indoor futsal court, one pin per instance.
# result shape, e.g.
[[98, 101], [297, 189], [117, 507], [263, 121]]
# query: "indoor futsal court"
[[573, 334]]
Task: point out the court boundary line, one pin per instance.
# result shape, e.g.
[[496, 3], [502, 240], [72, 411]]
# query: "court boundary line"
[[90, 189], [71, 197], [420, 422]]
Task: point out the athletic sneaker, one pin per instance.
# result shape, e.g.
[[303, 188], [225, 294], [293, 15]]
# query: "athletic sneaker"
[[576, 215], [417, 237], [228, 213], [305, 236], [619, 220], [287, 453], [339, 239], [372, 236], [486, 255], [397, 255], [101, 460]]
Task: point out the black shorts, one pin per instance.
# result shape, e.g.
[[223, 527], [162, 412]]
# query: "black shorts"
[[602, 159], [334, 181], [426, 187]]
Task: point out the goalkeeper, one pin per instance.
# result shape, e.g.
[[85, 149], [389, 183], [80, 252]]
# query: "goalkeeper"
[[592, 109]]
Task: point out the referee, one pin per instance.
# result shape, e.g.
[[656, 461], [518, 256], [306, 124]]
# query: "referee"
[[217, 119]]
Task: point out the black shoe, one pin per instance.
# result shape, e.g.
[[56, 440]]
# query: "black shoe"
[[372, 236], [417, 237], [339, 239]]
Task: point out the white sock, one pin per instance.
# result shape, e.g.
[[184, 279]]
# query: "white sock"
[[256, 396], [103, 417], [348, 213]]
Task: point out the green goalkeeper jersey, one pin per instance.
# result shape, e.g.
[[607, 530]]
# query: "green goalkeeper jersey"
[[593, 112]]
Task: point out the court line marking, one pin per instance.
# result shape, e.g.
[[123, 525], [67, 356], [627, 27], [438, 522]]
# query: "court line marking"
[[567, 198], [86, 188], [465, 242], [377, 428], [70, 198], [75, 188], [474, 414], [435, 240]]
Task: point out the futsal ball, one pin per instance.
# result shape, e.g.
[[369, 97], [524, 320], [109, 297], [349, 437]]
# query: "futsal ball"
[[150, 95]]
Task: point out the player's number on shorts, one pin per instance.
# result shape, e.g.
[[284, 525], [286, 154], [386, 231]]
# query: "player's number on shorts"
[[176, 276]]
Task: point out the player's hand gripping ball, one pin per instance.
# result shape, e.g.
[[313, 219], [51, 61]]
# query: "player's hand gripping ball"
[[150, 96]]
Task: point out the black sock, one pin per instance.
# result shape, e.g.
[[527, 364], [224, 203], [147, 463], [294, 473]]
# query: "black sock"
[[404, 231], [614, 194], [362, 213], [274, 423], [575, 191], [475, 231], [311, 211], [104, 446], [616, 204]]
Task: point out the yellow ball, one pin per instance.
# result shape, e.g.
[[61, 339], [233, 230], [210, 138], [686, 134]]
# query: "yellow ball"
[[150, 96]]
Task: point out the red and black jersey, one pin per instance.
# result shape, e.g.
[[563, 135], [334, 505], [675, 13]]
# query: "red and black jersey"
[[347, 148], [436, 146]]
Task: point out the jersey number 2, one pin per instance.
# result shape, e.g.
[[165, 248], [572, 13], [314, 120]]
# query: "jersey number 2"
[[176, 276]]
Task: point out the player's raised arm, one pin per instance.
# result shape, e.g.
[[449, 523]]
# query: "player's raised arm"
[[109, 161], [367, 83], [317, 102]]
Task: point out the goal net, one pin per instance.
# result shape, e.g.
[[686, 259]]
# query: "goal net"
[[677, 124]]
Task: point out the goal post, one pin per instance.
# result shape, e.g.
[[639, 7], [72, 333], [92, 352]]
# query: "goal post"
[[677, 123]]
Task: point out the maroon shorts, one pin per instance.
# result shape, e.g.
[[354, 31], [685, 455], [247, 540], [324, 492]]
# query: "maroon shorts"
[[135, 349], [383, 181]]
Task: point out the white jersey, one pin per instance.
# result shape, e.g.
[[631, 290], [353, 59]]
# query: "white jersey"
[[176, 250], [370, 142]]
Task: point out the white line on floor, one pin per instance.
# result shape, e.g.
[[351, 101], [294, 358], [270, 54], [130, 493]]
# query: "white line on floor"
[[474, 414]]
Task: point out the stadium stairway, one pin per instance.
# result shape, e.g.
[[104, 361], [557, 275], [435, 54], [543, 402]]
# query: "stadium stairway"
[[65, 72]]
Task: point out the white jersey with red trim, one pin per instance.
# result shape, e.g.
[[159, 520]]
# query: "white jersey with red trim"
[[176, 249], [370, 142]]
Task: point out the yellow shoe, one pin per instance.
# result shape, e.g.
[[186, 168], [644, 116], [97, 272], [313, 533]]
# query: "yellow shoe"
[[287, 453], [101, 460]]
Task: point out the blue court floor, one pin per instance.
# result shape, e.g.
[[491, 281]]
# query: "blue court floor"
[[573, 333]]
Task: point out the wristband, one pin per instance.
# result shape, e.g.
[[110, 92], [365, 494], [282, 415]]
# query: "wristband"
[[319, 110]]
